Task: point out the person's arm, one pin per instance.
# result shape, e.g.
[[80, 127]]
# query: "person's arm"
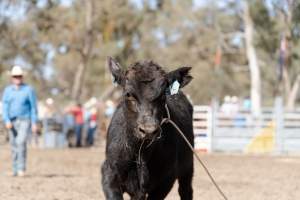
[[33, 106], [5, 106], [72, 110]]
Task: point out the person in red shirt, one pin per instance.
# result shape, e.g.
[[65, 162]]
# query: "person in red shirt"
[[92, 126], [77, 112]]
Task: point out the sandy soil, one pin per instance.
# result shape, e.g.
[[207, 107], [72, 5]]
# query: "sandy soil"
[[73, 174]]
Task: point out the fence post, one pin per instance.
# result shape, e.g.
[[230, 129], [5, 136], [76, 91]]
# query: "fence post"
[[214, 111], [279, 117]]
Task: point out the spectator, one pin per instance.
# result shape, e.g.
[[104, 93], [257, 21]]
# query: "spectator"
[[234, 104], [226, 106], [19, 114], [247, 103], [77, 112], [110, 108], [92, 126]]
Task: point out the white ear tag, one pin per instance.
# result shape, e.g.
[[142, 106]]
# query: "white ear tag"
[[174, 89]]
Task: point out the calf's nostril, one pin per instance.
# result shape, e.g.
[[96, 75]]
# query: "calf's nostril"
[[142, 130]]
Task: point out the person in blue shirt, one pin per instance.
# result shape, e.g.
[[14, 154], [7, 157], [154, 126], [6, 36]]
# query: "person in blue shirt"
[[19, 104]]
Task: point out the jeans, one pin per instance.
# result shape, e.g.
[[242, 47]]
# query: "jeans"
[[18, 140], [90, 135], [78, 130]]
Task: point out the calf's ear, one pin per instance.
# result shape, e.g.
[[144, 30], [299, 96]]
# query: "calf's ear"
[[116, 71], [181, 75]]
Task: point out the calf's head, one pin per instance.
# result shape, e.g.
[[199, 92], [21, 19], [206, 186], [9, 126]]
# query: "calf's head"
[[145, 86]]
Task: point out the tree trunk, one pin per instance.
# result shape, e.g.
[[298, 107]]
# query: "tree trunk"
[[286, 82], [290, 89], [292, 97], [252, 62], [85, 52]]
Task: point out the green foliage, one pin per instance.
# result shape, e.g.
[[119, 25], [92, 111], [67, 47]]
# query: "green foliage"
[[172, 33]]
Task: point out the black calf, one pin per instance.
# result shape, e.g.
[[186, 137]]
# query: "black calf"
[[143, 157]]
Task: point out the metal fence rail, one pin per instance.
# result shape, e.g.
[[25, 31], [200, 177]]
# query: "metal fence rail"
[[274, 131], [202, 127]]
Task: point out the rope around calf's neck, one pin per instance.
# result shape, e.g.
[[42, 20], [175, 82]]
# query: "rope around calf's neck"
[[168, 120]]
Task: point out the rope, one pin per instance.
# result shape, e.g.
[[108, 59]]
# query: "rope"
[[139, 156], [168, 120]]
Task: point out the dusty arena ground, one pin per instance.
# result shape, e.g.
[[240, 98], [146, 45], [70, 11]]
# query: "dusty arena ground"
[[73, 174]]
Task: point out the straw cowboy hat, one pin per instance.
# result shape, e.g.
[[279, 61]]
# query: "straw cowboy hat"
[[17, 71]]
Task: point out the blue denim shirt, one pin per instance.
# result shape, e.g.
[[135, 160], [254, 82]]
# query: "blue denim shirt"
[[19, 103]]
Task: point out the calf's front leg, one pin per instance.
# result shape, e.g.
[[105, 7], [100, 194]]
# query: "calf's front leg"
[[110, 183]]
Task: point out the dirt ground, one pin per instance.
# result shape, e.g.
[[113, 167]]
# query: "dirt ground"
[[73, 174]]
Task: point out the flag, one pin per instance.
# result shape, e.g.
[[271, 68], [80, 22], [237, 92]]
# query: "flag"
[[282, 56], [218, 56]]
